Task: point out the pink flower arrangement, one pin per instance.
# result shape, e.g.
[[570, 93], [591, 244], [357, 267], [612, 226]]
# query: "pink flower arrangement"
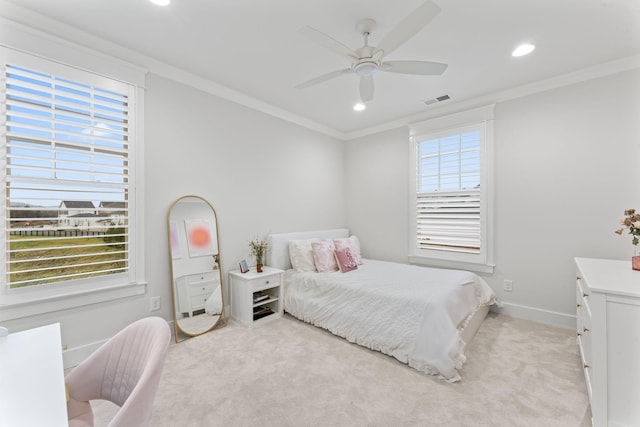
[[631, 221], [258, 249]]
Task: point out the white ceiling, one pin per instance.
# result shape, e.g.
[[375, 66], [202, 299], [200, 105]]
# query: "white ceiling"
[[253, 47]]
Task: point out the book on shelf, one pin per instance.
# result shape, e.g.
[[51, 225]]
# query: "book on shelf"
[[261, 311], [257, 297]]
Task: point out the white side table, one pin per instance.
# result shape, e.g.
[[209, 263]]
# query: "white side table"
[[247, 287]]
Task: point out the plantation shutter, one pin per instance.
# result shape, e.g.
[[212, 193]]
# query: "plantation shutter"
[[449, 221], [67, 158], [448, 198]]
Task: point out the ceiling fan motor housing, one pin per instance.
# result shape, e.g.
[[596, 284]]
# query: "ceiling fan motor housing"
[[366, 67]]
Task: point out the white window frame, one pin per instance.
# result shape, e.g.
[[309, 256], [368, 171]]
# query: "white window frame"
[[35, 300], [481, 118]]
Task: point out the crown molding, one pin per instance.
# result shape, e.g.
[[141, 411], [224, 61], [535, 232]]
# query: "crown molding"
[[27, 20], [589, 73]]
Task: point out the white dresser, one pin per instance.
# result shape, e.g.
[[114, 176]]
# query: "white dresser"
[[193, 290], [608, 322]]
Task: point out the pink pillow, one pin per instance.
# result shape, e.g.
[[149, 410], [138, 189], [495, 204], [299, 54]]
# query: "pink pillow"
[[323, 256], [346, 260], [354, 246]]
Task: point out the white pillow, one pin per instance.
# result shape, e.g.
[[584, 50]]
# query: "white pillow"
[[354, 246], [301, 254]]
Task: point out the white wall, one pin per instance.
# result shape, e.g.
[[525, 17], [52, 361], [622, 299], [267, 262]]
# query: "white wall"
[[260, 173], [566, 168], [377, 178]]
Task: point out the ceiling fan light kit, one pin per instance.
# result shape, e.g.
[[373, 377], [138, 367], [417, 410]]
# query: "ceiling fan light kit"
[[367, 60], [523, 49], [365, 68]]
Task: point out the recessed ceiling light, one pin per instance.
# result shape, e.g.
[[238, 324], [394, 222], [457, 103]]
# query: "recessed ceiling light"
[[523, 49], [161, 2], [359, 106]]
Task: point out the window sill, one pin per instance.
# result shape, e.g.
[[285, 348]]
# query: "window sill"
[[16, 307], [458, 265]]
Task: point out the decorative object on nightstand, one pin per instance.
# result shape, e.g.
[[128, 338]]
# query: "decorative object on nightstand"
[[631, 221], [256, 297], [259, 250]]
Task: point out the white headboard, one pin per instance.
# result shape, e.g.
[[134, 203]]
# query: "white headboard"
[[278, 252]]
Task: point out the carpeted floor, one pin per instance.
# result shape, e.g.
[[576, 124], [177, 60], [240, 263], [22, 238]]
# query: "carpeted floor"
[[288, 373]]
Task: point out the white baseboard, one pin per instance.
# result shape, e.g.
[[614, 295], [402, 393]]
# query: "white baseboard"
[[539, 315]]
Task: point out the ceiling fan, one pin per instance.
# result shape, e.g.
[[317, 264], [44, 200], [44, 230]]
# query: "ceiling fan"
[[367, 60]]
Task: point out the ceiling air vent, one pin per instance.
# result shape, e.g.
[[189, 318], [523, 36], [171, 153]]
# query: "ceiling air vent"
[[437, 99]]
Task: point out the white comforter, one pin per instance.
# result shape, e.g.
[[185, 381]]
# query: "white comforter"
[[415, 314]]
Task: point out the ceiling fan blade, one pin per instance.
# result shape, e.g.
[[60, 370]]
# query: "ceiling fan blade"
[[323, 78], [422, 68], [328, 42], [408, 27], [366, 88]]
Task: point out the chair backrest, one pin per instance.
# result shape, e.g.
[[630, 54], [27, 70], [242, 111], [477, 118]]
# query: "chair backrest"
[[125, 370]]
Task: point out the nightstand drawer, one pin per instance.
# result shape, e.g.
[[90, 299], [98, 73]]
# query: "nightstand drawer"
[[265, 282]]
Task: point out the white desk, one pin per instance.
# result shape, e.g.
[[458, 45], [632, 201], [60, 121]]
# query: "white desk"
[[32, 390]]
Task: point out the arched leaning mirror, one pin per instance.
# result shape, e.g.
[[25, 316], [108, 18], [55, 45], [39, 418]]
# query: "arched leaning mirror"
[[198, 305]]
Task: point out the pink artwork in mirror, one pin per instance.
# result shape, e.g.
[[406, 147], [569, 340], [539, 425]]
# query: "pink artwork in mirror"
[[199, 237]]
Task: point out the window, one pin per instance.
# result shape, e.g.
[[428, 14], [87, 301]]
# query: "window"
[[68, 163], [451, 191]]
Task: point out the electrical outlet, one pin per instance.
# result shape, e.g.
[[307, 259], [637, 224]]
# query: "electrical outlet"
[[154, 304], [508, 285]]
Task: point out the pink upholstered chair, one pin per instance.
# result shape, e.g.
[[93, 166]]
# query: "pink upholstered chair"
[[125, 370]]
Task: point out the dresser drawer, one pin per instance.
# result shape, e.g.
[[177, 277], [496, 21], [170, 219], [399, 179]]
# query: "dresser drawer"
[[582, 296], [202, 277], [198, 301], [583, 329], [205, 288]]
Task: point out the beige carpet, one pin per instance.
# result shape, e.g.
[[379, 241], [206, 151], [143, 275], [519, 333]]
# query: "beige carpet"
[[288, 373]]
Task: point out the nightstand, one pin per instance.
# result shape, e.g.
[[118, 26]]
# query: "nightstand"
[[256, 297]]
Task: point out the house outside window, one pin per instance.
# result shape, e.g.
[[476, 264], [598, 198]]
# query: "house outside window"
[[68, 172], [451, 191]]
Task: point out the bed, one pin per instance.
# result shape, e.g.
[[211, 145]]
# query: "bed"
[[423, 317]]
